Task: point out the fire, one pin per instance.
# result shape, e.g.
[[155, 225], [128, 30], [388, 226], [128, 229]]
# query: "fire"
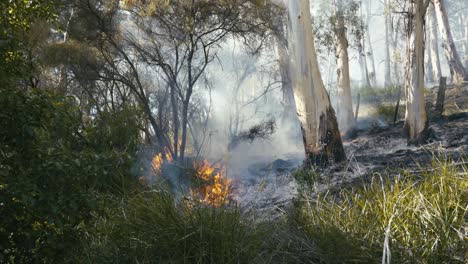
[[159, 160], [211, 187], [214, 188]]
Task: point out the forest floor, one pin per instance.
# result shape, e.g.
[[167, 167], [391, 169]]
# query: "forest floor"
[[377, 150]]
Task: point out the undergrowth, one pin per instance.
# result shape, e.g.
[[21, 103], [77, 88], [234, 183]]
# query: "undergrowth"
[[152, 227], [409, 219]]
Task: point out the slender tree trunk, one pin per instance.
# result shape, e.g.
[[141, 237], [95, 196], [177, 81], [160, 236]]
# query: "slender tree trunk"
[[370, 53], [456, 67], [175, 119], [397, 58], [415, 117], [363, 65], [428, 71], [322, 140], [362, 59], [388, 76], [434, 43], [465, 43], [63, 71], [345, 105]]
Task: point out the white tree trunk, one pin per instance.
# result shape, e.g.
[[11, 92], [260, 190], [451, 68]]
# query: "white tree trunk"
[[345, 106], [388, 76], [396, 57], [415, 118], [465, 43], [370, 53], [428, 71], [433, 43], [456, 67], [322, 140], [365, 81]]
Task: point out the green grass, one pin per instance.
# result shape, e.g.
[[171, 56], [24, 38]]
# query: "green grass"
[[152, 227], [305, 177], [419, 219]]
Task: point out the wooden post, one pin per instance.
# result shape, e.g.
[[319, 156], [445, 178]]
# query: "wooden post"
[[439, 108], [397, 107], [357, 108]]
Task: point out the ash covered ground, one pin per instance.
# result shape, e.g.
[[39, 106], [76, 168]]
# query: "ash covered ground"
[[377, 149]]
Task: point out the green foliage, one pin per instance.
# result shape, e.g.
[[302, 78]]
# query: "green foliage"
[[16, 18], [152, 227], [50, 167], [426, 217]]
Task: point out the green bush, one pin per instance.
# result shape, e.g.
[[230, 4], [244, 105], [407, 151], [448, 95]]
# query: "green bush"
[[51, 165], [425, 218]]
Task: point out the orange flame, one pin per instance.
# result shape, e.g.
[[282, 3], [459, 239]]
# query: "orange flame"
[[214, 189], [158, 160]]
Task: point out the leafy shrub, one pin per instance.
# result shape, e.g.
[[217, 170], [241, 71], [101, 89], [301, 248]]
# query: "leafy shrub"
[[50, 167]]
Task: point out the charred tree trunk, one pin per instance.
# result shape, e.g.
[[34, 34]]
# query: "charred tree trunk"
[[439, 108], [356, 113], [175, 120], [322, 140], [415, 117], [345, 105], [456, 67]]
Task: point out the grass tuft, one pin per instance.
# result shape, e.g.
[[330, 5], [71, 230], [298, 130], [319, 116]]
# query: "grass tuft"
[[417, 219]]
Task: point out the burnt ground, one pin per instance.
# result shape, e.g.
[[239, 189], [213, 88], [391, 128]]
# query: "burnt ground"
[[379, 149]]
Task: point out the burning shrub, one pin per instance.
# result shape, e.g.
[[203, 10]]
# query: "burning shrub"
[[212, 187], [159, 160], [207, 183]]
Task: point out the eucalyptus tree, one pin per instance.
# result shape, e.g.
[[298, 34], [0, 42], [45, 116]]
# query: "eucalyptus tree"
[[345, 105], [433, 51], [457, 70], [416, 123], [338, 28], [322, 140]]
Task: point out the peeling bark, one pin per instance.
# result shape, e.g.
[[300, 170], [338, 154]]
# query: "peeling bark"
[[415, 117], [322, 140]]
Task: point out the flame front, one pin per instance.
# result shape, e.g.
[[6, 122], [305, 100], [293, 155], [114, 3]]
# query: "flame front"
[[215, 188]]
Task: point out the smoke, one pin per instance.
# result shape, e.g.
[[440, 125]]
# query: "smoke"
[[259, 98]]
